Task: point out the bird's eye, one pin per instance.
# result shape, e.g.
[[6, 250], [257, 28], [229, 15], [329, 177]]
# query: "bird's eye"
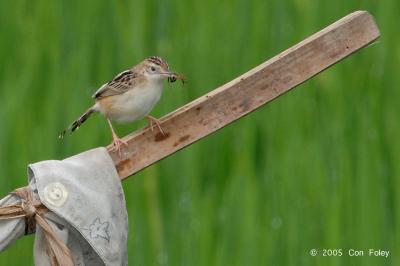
[[153, 69]]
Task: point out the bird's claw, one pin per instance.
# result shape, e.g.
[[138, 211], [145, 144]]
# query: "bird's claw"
[[117, 144]]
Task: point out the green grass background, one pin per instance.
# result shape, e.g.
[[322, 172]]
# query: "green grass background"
[[317, 168]]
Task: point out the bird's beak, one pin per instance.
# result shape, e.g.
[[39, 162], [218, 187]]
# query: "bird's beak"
[[168, 74]]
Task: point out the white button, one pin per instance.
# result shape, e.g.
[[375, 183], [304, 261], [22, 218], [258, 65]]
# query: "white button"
[[55, 194]]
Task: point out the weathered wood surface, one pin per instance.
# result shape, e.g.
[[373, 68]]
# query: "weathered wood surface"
[[246, 93]]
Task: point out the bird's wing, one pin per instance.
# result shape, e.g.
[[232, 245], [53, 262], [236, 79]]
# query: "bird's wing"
[[120, 84]]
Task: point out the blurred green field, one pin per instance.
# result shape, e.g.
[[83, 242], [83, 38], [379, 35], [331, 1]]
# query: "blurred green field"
[[317, 168]]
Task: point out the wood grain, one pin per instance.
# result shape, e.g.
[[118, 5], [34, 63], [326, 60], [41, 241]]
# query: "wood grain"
[[248, 92]]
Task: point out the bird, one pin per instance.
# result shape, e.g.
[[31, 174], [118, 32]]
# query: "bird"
[[130, 96]]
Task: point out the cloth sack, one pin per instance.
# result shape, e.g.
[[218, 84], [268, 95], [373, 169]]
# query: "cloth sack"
[[87, 209]]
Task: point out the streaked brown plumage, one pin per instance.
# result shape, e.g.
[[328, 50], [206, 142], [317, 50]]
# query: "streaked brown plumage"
[[129, 96]]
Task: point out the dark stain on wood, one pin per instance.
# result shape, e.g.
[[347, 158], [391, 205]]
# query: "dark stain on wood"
[[181, 139], [245, 105], [122, 165], [266, 86], [160, 136]]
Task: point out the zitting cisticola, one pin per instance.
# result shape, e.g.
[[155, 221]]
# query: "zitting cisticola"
[[130, 96]]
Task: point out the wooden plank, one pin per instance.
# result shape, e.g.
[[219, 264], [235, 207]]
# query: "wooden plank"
[[248, 92]]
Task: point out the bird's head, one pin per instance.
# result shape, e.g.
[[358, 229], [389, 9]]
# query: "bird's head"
[[155, 68]]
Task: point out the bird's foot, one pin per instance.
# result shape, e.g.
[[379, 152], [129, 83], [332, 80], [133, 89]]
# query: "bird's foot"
[[154, 121], [118, 143]]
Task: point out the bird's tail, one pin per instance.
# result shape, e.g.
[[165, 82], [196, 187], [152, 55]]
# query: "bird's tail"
[[78, 122]]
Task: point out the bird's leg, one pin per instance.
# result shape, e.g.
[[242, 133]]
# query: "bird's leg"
[[152, 121], [117, 142]]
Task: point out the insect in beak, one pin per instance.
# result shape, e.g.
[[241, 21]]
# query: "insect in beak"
[[174, 77]]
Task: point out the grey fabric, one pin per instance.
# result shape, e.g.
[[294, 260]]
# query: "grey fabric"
[[87, 206], [10, 230]]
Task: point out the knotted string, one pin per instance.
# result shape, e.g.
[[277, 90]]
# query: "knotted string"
[[32, 210]]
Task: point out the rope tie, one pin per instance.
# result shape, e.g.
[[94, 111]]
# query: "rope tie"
[[28, 208], [32, 210]]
